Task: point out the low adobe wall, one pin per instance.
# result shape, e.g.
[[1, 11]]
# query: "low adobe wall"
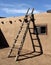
[[10, 31]]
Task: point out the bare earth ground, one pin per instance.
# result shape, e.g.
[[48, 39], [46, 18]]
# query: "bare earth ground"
[[43, 59]]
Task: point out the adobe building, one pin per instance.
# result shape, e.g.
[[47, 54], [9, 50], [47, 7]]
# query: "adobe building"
[[10, 27]]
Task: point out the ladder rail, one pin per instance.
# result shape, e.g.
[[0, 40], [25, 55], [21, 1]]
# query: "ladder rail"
[[22, 42], [22, 24], [17, 35]]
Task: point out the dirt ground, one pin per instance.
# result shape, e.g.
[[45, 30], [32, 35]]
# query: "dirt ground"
[[43, 59]]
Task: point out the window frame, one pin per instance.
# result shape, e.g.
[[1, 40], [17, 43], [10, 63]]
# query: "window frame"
[[41, 25]]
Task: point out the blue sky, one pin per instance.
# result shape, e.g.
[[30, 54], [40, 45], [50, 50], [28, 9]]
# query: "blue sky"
[[19, 7]]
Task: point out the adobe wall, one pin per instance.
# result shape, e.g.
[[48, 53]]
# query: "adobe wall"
[[10, 31], [45, 19]]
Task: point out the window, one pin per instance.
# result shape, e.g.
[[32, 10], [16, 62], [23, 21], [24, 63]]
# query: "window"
[[42, 29]]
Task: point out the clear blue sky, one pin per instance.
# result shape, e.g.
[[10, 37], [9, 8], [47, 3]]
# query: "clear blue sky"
[[18, 7]]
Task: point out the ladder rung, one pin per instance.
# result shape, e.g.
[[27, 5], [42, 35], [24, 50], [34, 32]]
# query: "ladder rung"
[[19, 32], [35, 39], [18, 41], [31, 28], [24, 27], [15, 48], [36, 46], [31, 33], [21, 35], [17, 36]]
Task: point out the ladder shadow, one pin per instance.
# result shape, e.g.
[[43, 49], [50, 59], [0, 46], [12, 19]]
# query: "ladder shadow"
[[28, 55], [38, 39], [33, 53]]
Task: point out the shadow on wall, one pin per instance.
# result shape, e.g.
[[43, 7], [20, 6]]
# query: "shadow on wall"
[[3, 41]]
